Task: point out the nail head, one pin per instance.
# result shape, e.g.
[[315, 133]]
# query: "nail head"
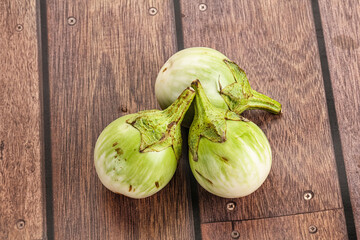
[[230, 206], [312, 229], [235, 234], [308, 195], [202, 7], [19, 27], [20, 224], [153, 11], [71, 21]]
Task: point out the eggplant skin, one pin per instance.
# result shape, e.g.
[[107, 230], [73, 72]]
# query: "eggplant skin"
[[234, 168], [185, 66], [123, 169]]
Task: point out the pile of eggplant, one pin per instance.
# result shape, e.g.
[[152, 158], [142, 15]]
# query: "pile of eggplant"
[[137, 154]]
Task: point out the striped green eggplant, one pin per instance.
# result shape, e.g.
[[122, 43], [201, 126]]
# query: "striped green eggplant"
[[229, 155], [225, 83], [136, 155]]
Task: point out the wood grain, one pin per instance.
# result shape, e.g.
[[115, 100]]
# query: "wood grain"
[[101, 68], [328, 225], [342, 38], [22, 205], [275, 42]]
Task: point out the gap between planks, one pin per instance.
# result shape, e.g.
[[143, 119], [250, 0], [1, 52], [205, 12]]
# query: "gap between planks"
[[278, 216]]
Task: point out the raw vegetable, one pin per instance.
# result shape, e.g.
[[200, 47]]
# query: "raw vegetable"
[[229, 155], [136, 155], [225, 84]]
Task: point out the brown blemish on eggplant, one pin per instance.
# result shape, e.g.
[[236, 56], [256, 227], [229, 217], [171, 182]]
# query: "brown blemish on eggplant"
[[119, 151], [196, 83], [132, 123], [195, 154], [114, 144], [168, 130], [209, 181], [171, 124], [162, 137], [157, 184], [224, 159], [164, 69], [130, 187]]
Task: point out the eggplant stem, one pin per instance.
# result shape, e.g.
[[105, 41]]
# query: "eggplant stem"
[[260, 101]]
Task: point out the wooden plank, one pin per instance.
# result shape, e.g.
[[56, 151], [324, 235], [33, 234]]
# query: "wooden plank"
[[102, 67], [22, 204], [342, 37], [318, 225], [275, 42]]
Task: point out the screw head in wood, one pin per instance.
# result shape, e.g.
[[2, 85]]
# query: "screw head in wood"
[[235, 234], [312, 229], [19, 27], [153, 11], [230, 206], [71, 21], [308, 195], [202, 7], [20, 224]]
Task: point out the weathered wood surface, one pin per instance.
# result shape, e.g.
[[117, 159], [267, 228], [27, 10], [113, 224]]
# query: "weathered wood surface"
[[100, 68], [275, 42], [318, 225], [342, 38], [22, 205], [103, 60]]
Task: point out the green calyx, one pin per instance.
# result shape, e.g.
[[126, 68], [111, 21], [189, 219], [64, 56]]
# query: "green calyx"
[[209, 121], [240, 97], [161, 129]]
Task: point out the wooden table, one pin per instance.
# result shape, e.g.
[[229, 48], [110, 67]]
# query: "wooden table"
[[68, 68]]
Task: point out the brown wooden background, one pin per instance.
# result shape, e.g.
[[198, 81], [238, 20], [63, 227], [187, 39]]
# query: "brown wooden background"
[[68, 68]]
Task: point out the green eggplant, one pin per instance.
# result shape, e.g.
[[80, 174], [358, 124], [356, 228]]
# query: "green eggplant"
[[225, 83], [136, 155], [229, 155]]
